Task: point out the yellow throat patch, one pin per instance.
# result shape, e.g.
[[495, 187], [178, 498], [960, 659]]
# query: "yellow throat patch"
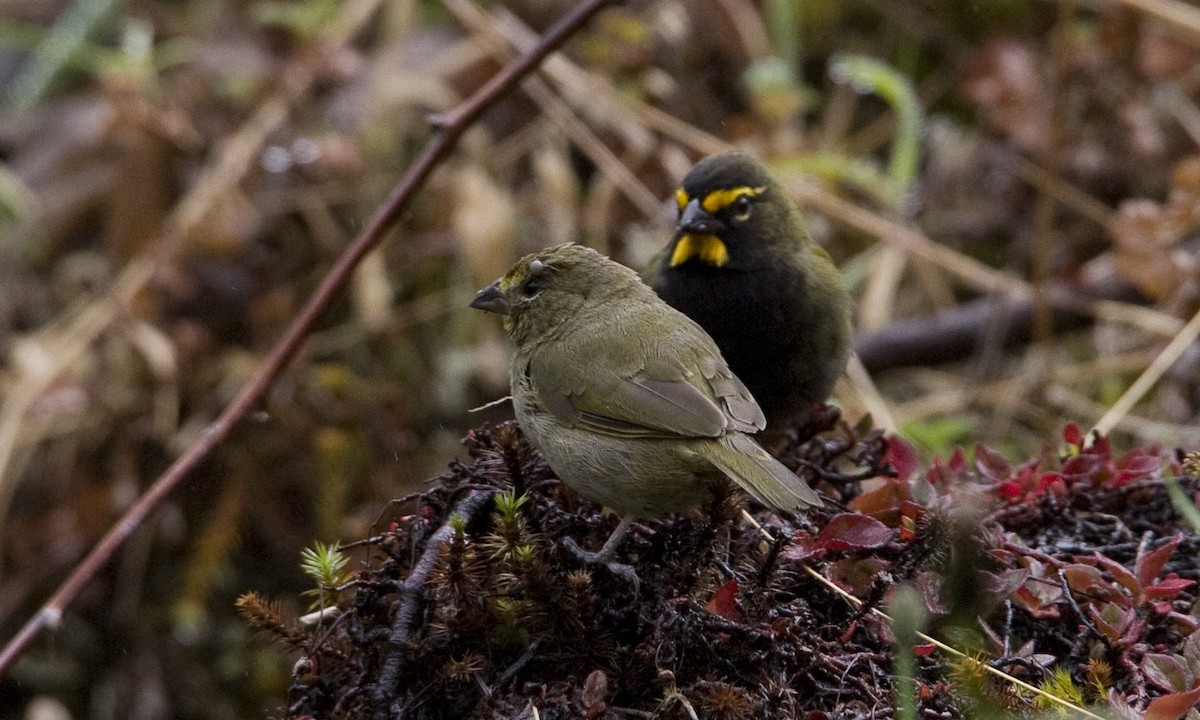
[[708, 248]]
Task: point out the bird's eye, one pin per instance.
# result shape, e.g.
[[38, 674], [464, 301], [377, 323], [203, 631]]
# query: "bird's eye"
[[741, 208], [536, 280], [533, 286]]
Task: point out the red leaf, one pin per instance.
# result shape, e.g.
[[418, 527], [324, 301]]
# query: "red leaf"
[[724, 602], [853, 531], [803, 547], [883, 503], [991, 464], [1087, 580], [1072, 435], [1137, 464], [1173, 706], [902, 457], [1149, 565], [1039, 599], [1119, 572], [1005, 583], [942, 473], [1168, 587], [1009, 490], [910, 514], [1052, 482], [1120, 625], [1035, 606], [855, 575], [1166, 671], [958, 461], [1088, 468]]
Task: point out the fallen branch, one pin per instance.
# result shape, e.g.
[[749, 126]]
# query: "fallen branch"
[[414, 596]]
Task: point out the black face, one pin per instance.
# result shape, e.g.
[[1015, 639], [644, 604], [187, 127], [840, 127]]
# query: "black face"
[[727, 203]]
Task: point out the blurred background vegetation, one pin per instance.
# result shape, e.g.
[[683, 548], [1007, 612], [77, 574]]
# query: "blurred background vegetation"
[[177, 175]]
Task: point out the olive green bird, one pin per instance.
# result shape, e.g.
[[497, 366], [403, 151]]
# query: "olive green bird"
[[629, 401], [741, 264]]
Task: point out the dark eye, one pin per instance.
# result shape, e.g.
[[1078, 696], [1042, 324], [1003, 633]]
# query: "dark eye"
[[741, 208], [534, 282], [532, 287]]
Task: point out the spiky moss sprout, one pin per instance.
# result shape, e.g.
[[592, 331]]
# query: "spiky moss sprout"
[[1191, 463], [1060, 684], [711, 700], [978, 693], [518, 549], [509, 532], [458, 585], [268, 617], [522, 573], [326, 565], [1099, 678]]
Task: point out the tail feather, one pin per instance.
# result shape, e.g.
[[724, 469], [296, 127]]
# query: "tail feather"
[[750, 466]]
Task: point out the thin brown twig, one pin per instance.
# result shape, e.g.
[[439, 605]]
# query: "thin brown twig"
[[450, 127]]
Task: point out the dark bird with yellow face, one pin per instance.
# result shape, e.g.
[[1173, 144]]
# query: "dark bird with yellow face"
[[629, 401], [742, 265]]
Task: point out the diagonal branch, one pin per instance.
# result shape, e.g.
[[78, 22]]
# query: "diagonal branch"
[[450, 127]]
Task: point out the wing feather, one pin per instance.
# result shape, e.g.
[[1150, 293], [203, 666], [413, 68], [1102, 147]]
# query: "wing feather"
[[673, 383]]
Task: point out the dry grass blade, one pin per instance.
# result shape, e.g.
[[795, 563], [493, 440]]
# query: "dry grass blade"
[[872, 399], [1149, 376]]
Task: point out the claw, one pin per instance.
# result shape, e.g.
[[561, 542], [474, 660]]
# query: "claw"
[[607, 554]]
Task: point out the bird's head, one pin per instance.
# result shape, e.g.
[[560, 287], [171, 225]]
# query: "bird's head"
[[727, 203], [546, 289]]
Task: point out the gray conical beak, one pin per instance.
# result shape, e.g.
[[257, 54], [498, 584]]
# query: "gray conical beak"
[[491, 299], [695, 221]]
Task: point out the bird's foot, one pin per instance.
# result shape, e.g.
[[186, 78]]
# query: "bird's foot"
[[606, 555]]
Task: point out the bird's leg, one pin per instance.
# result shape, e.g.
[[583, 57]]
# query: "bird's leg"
[[605, 556]]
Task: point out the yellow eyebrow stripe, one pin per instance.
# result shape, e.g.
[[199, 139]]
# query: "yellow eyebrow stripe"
[[720, 199], [681, 198]]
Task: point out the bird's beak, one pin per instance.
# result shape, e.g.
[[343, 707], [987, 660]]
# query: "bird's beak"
[[491, 299], [695, 221]]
